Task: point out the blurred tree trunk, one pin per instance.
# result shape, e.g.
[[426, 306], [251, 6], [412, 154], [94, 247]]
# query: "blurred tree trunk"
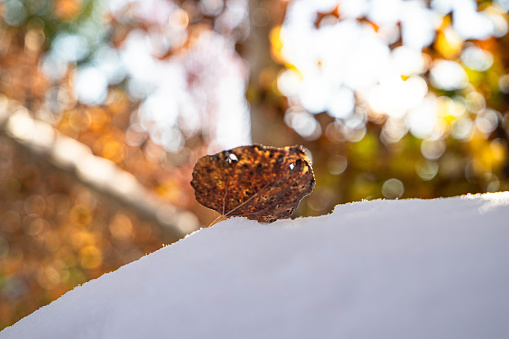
[[266, 106], [50, 149]]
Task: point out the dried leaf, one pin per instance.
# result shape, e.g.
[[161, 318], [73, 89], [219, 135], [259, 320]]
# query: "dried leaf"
[[257, 182]]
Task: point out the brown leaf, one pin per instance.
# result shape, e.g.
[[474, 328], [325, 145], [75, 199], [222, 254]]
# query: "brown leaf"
[[257, 182]]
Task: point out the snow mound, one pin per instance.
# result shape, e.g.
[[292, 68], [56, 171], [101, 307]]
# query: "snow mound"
[[373, 269]]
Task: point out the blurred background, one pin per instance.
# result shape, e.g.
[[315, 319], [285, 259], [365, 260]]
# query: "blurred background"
[[105, 106]]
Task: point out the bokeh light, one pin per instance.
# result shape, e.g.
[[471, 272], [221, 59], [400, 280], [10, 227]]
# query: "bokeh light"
[[393, 188]]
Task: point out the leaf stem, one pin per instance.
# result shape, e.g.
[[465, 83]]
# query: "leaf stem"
[[218, 219]]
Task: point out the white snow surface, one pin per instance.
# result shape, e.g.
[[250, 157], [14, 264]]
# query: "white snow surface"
[[373, 269]]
